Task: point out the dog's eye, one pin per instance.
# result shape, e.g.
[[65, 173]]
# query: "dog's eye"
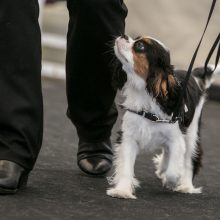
[[139, 46]]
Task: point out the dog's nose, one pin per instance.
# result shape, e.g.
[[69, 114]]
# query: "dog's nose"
[[125, 37]]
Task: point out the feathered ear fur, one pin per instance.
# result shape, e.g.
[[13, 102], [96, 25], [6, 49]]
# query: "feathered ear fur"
[[119, 76], [160, 85], [163, 83]]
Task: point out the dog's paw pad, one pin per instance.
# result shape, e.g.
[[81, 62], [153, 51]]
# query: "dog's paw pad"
[[117, 193]]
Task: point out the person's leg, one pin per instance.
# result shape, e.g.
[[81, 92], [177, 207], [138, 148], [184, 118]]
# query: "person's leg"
[[21, 114], [93, 25]]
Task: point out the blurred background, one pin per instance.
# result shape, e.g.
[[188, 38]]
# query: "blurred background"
[[178, 24]]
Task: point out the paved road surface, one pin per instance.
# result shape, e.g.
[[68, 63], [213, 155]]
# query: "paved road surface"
[[59, 191]]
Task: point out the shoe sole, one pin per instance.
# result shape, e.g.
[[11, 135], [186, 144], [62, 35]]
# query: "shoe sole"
[[21, 185], [93, 174]]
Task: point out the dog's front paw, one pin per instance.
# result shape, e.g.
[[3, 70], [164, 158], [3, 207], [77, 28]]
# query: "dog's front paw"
[[188, 188], [170, 182], [120, 193]]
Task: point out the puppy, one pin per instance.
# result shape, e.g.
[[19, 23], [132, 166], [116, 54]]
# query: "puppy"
[[153, 88]]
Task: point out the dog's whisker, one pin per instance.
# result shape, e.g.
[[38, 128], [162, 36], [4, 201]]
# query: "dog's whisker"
[[109, 51], [110, 43], [111, 62]]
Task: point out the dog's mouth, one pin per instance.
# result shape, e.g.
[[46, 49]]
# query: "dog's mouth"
[[122, 46], [120, 55]]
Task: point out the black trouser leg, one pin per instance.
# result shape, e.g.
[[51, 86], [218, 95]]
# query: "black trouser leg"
[[20, 82], [93, 24]]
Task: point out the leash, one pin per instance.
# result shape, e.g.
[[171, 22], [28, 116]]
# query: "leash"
[[177, 114], [214, 46], [152, 117]]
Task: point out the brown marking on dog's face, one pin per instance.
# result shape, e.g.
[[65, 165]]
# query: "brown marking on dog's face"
[[147, 40], [141, 65], [152, 61]]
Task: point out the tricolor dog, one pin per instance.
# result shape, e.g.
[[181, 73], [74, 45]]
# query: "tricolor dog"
[[151, 93]]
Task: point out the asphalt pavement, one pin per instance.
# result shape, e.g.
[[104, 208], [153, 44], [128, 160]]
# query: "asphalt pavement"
[[58, 190]]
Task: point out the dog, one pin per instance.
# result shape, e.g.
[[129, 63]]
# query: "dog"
[[153, 88]]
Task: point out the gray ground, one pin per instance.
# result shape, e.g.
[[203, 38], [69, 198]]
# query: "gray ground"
[[58, 190]]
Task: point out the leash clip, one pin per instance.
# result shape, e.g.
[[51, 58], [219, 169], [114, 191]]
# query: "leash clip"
[[175, 119], [154, 118]]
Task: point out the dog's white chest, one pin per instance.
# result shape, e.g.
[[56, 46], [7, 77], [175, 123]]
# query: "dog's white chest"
[[147, 134]]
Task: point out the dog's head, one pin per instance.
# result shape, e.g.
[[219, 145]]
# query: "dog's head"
[[147, 64]]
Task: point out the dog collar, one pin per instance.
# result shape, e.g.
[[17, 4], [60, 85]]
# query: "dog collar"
[[150, 116]]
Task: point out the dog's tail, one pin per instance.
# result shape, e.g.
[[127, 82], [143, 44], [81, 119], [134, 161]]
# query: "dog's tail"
[[205, 81]]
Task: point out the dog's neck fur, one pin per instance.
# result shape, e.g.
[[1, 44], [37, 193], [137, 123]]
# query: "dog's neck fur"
[[137, 97]]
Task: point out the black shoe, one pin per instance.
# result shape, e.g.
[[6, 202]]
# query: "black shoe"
[[12, 177], [95, 158]]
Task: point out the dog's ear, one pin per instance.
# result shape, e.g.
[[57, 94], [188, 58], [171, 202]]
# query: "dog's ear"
[[171, 82], [164, 82], [159, 84], [119, 76]]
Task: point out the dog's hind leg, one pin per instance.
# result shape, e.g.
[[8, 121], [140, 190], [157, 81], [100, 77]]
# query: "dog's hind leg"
[[175, 168], [193, 154], [123, 179], [192, 163]]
